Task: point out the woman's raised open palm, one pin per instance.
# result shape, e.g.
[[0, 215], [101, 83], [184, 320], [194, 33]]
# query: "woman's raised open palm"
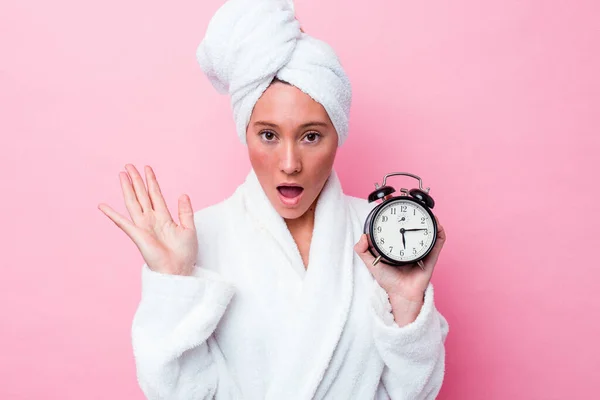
[[165, 246]]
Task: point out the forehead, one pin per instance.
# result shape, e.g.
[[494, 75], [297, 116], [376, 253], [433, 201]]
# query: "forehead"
[[286, 104]]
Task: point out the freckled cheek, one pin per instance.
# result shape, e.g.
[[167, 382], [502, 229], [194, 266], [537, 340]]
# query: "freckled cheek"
[[322, 161], [319, 166], [262, 160]]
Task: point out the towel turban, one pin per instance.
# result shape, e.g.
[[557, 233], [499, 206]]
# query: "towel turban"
[[250, 42]]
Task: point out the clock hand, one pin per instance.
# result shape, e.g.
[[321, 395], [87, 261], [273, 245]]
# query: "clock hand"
[[424, 229], [403, 240]]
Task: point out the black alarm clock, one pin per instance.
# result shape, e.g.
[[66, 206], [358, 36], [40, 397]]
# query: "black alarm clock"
[[401, 230]]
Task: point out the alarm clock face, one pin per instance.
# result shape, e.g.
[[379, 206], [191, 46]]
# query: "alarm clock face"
[[403, 230]]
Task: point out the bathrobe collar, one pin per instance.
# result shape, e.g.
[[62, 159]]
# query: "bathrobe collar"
[[314, 329]]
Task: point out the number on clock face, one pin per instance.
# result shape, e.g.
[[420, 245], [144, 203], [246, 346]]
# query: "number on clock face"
[[418, 230]]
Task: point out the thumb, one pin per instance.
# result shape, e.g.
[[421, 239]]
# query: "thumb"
[[362, 249]]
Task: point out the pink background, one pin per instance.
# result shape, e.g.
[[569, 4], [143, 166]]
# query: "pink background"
[[495, 104]]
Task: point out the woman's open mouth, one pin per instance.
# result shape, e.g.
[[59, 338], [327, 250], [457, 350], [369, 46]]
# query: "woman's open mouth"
[[290, 195]]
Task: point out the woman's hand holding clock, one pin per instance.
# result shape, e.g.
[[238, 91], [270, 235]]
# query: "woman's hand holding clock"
[[165, 246], [405, 285]]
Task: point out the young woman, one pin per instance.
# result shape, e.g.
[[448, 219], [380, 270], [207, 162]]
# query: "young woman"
[[271, 293]]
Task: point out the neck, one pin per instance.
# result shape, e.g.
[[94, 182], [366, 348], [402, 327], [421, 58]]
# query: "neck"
[[304, 223], [301, 229]]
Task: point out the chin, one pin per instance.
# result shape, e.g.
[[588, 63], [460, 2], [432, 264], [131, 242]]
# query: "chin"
[[287, 213]]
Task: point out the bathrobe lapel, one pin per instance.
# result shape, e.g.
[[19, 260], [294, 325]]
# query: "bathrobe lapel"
[[313, 329]]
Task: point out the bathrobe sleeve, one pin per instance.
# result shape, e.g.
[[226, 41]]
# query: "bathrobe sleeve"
[[413, 355], [171, 334]]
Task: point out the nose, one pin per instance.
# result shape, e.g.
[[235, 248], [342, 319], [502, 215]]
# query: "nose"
[[290, 161]]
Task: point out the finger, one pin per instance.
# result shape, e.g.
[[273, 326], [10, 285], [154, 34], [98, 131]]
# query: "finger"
[[431, 260], [158, 201], [123, 223], [441, 232], [432, 257], [186, 213], [139, 187], [441, 239], [131, 201]]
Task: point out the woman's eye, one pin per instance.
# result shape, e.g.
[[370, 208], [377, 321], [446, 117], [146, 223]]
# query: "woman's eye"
[[312, 137], [267, 135]]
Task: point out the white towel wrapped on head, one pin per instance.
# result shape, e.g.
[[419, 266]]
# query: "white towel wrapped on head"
[[249, 42]]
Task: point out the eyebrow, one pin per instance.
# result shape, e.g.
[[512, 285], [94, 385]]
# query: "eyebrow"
[[311, 123]]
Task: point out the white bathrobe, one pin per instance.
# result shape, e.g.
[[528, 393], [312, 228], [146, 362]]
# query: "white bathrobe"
[[253, 323]]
